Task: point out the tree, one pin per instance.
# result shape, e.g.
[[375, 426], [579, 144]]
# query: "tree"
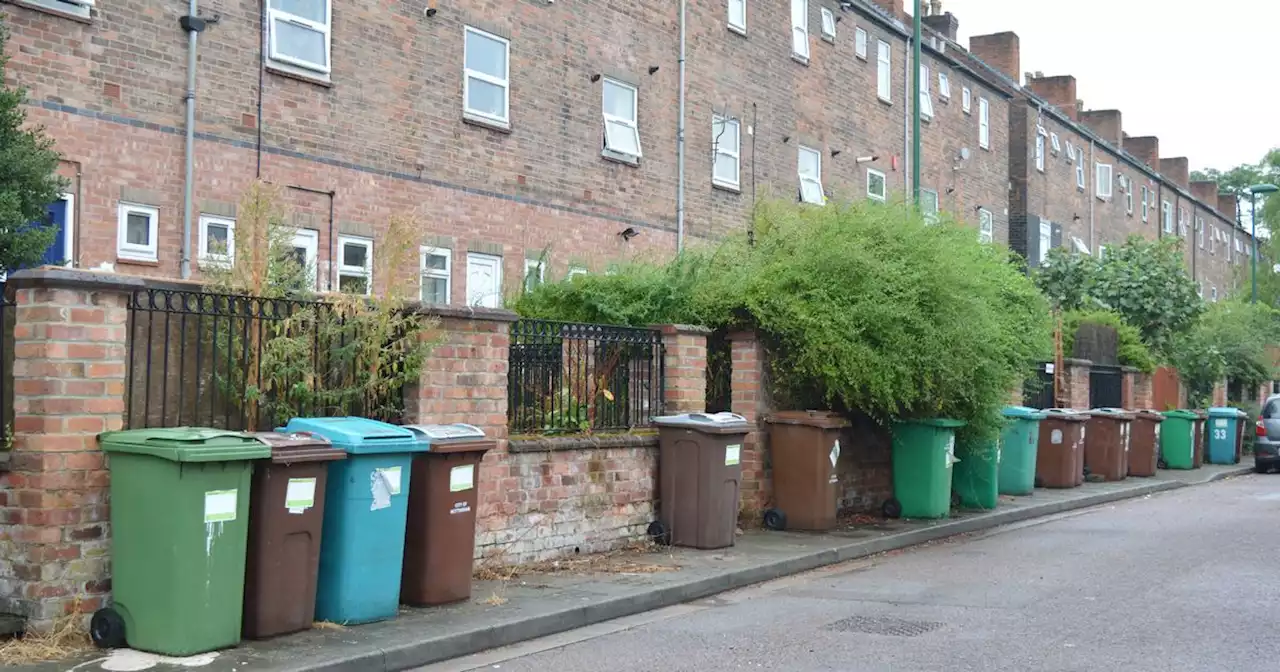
[[1230, 341], [28, 179]]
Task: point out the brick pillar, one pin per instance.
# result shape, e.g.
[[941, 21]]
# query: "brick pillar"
[[1143, 393], [1077, 382], [750, 400], [69, 385], [1219, 394], [1127, 392], [685, 361]]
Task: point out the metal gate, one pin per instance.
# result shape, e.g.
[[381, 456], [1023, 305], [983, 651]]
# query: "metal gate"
[[1105, 387], [1037, 391]]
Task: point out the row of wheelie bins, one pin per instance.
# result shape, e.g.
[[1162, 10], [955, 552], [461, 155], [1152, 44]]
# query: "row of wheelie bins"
[[219, 535]]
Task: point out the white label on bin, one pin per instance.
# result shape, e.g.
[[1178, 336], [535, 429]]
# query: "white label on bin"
[[1048, 368], [732, 454], [300, 494], [835, 454], [462, 478], [392, 476], [381, 490], [999, 450], [1055, 437], [949, 458], [459, 507], [219, 506], [1220, 422]]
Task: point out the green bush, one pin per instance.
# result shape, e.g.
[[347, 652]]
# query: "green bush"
[[1229, 341], [1132, 350]]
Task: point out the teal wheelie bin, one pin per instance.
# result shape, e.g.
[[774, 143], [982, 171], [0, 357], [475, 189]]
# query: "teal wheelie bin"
[[923, 453], [1019, 443], [1224, 426], [1178, 440], [366, 504]]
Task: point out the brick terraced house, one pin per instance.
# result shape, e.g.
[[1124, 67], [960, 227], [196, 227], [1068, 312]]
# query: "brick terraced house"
[[548, 132]]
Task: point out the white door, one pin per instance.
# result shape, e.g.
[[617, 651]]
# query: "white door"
[[484, 280]]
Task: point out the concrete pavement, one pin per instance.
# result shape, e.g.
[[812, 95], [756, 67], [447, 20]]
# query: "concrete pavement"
[[584, 593]]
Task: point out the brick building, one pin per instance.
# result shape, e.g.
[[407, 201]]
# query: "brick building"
[[549, 130]]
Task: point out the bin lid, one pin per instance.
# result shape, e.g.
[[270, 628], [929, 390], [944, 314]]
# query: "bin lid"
[[1023, 413], [1226, 412], [1066, 414], [945, 423], [359, 435], [707, 423], [819, 419], [1180, 415], [1116, 413], [186, 444], [456, 438], [1149, 414], [295, 447]]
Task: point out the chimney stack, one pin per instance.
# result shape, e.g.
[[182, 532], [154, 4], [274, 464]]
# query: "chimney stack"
[[1002, 51], [942, 24], [1227, 206], [1146, 149], [893, 7], [1105, 123], [1060, 91], [1206, 191], [1177, 169]]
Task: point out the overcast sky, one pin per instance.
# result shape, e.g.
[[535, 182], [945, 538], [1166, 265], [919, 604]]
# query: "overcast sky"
[[1177, 70]]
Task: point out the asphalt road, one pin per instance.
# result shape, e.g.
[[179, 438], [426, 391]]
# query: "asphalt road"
[[1185, 580]]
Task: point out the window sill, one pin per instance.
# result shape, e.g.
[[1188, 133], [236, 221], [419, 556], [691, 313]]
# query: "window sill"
[[737, 31], [213, 265], [722, 186], [484, 122], [829, 39], [886, 101], [861, 57], [618, 157], [36, 7], [285, 71], [877, 199], [799, 58], [137, 261]]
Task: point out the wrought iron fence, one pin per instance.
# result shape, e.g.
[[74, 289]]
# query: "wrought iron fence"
[[242, 362], [1105, 387], [570, 378]]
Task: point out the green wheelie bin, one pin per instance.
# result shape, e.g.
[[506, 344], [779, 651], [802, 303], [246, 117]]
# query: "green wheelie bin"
[[923, 452], [1019, 444], [1178, 439], [180, 524], [975, 475]]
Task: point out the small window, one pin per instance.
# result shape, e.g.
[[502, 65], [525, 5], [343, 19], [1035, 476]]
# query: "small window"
[[738, 16], [726, 142], [860, 43], [217, 241], [828, 25], [1213, 238], [305, 250], [535, 273], [1128, 197], [1055, 143], [437, 275], [621, 131], [80, 8], [355, 265], [1200, 288], [138, 230], [1213, 294], [1146, 204], [926, 98], [1166, 216], [810, 170], [944, 86], [1039, 152], [1102, 252], [1182, 221], [1080, 246], [984, 124], [1046, 240], [298, 33], [966, 99], [1071, 151], [876, 185], [986, 226], [486, 89], [1081, 179], [884, 71], [929, 205], [1239, 247], [484, 280], [1104, 182], [800, 29]]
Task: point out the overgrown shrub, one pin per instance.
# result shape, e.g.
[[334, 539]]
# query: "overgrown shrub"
[[1132, 351], [1229, 341]]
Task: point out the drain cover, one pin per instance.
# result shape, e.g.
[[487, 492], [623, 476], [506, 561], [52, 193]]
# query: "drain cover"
[[884, 625]]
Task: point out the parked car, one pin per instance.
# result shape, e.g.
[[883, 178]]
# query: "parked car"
[[1266, 447]]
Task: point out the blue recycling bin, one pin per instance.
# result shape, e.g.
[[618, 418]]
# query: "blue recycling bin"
[[1223, 428], [366, 501]]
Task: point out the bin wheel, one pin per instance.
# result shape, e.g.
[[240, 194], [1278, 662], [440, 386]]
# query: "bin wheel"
[[1161, 464], [659, 533], [1039, 482], [106, 629], [892, 508], [955, 500], [775, 519]]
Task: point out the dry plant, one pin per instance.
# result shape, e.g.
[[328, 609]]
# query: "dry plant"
[[66, 637], [327, 625]]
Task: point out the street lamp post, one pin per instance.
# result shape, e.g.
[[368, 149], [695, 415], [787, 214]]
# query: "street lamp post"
[[1253, 222]]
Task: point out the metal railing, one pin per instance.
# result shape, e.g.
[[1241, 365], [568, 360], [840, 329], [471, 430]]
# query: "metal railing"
[[577, 378], [1106, 387], [240, 362], [1037, 390]]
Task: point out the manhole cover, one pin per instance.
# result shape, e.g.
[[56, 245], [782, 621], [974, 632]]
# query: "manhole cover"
[[884, 625]]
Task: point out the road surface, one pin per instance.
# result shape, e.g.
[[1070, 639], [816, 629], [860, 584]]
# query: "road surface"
[[1185, 580]]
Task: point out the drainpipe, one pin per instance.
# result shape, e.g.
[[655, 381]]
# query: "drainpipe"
[[193, 24], [679, 140], [1091, 197], [915, 106], [907, 158]]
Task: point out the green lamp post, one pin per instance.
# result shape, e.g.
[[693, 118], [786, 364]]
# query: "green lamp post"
[[1253, 219]]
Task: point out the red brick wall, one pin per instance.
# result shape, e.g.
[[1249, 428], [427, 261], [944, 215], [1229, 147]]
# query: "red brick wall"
[[1077, 383], [750, 400], [1143, 397], [865, 468], [685, 368]]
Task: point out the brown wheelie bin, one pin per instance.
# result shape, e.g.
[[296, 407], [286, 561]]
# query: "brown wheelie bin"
[[699, 473], [1107, 444], [1059, 455], [805, 446], [1197, 455], [286, 516], [440, 527], [1144, 443]]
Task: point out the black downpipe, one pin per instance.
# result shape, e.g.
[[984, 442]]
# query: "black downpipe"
[[332, 243], [262, 68]]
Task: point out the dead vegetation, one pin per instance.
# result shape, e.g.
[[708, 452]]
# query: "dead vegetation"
[[66, 637]]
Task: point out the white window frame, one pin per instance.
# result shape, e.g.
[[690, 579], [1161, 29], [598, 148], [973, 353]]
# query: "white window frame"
[[576, 270], [944, 86], [1055, 143], [1146, 204], [860, 39], [811, 181], [930, 216], [737, 27], [1182, 221], [884, 71], [207, 258], [1213, 238], [1166, 217], [491, 300], [633, 124], [721, 150], [926, 95], [1239, 246], [365, 271], [127, 250], [1102, 252], [984, 124], [1039, 152], [434, 273], [468, 74], [274, 15], [1082, 181], [800, 29], [966, 99], [1213, 293], [1104, 180], [828, 25], [986, 226], [1046, 240], [531, 265], [1128, 196], [309, 241], [80, 8], [884, 181]]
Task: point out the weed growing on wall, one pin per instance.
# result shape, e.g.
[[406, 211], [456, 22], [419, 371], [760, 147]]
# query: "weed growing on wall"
[[1132, 351]]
